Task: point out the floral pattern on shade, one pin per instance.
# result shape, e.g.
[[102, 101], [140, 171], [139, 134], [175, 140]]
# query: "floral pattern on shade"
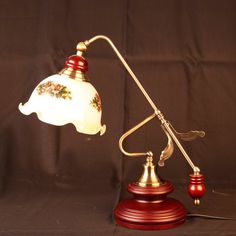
[[54, 89], [96, 103]]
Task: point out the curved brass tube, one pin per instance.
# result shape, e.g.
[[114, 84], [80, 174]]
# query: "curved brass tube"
[[129, 132]]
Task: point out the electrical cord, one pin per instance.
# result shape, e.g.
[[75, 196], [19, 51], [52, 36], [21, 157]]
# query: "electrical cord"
[[210, 217]]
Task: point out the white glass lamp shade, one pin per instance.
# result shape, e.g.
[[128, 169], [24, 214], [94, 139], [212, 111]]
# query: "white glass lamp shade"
[[59, 100]]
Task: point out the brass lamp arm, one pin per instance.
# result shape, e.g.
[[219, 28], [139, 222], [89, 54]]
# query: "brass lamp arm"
[[81, 47]]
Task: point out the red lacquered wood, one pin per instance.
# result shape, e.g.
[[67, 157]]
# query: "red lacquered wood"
[[76, 62], [150, 208], [164, 189], [196, 187]]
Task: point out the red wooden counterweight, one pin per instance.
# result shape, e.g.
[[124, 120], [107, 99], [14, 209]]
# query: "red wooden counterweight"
[[196, 187]]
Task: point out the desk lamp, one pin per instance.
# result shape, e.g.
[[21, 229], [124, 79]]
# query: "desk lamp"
[[69, 97]]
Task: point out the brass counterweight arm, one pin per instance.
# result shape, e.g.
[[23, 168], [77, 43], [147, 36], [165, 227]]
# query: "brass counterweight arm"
[[168, 129], [169, 149], [188, 136]]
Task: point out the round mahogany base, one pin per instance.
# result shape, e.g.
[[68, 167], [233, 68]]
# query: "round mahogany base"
[[150, 209]]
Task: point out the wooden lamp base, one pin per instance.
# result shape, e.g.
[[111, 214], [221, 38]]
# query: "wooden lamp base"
[[150, 208]]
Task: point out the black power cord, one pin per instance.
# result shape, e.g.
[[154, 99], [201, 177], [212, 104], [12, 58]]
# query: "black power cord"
[[210, 217]]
